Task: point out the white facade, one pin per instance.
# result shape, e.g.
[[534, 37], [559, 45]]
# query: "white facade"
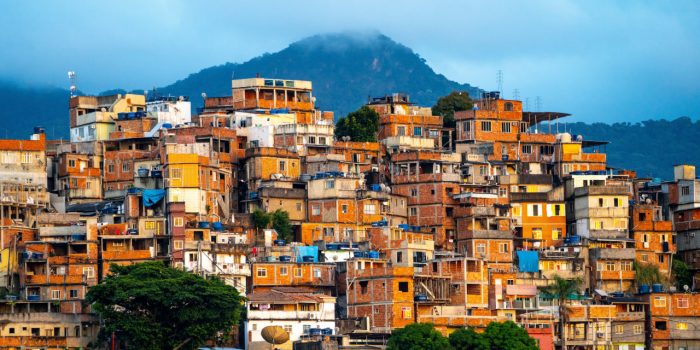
[[175, 112], [299, 315]]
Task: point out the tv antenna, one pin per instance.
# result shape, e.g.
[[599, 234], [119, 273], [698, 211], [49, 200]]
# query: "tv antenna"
[[73, 78], [538, 104], [499, 76], [516, 94]]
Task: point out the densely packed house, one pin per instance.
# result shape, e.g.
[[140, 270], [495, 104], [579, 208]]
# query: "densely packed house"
[[458, 227]]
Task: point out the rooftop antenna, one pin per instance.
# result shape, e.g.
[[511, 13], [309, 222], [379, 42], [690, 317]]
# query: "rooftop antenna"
[[538, 104], [73, 78], [516, 94], [500, 81]]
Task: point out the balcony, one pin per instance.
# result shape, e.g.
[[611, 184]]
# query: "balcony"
[[611, 212], [528, 304], [630, 316], [418, 178], [615, 275], [54, 279], [233, 269], [290, 315], [613, 253], [408, 142]]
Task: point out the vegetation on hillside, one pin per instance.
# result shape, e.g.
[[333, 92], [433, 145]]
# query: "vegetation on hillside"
[[446, 106], [278, 220], [360, 125]]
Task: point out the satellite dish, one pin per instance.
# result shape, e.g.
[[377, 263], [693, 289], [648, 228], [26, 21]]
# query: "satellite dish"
[[275, 335], [204, 95], [686, 288]]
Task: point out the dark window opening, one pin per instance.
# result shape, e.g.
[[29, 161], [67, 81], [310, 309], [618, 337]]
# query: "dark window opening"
[[403, 287]]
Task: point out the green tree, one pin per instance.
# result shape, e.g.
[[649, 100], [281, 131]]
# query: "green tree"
[[361, 125], [417, 336], [508, 335], [562, 289], [446, 106], [260, 219], [647, 274], [468, 339], [281, 224], [151, 306], [682, 274]]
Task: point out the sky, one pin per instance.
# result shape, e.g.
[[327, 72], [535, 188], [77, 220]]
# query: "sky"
[[606, 61]]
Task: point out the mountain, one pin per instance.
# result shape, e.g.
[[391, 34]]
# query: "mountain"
[[345, 70], [23, 108], [650, 147]]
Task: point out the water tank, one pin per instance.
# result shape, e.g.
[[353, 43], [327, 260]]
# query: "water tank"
[[657, 288], [217, 226], [358, 254], [373, 254], [421, 297], [564, 137], [644, 289], [315, 331], [280, 242], [203, 224], [39, 130], [332, 246], [308, 258], [285, 258], [142, 172], [271, 258], [327, 331]]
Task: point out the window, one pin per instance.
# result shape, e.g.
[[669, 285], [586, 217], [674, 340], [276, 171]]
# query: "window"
[[321, 140], [298, 206], [616, 202], [645, 257], [556, 233], [297, 272], [685, 190], [661, 258], [176, 173], [178, 222], [403, 287], [110, 168], [316, 209], [177, 245], [312, 139], [626, 266], [27, 157], [660, 325], [600, 202], [288, 328], [89, 272], [486, 126], [406, 313], [481, 248], [73, 294], [417, 131], [508, 107], [505, 127], [344, 208], [11, 330], [503, 247], [682, 303], [282, 165], [317, 273], [537, 233], [399, 257], [527, 149], [414, 192], [467, 126], [523, 127], [330, 184], [413, 211], [55, 294], [71, 163], [126, 167], [610, 266], [659, 301], [307, 328], [193, 257], [363, 287], [557, 210], [370, 209], [284, 271], [261, 272], [150, 225], [535, 210], [682, 326], [619, 329], [637, 329], [401, 130]]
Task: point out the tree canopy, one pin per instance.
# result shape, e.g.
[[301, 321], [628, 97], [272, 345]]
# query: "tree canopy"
[[278, 220], [151, 306], [682, 275], [646, 273], [497, 336], [446, 106], [417, 336], [467, 338], [361, 125]]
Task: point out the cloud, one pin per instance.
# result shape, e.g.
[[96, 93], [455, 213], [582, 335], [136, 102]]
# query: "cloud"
[[602, 61]]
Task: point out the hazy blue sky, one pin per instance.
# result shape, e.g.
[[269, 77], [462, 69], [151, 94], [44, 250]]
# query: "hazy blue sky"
[[601, 61]]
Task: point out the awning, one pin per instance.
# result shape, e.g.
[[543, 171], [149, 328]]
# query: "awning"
[[151, 197]]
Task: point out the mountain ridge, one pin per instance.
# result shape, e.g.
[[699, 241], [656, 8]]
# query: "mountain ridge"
[[346, 69]]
